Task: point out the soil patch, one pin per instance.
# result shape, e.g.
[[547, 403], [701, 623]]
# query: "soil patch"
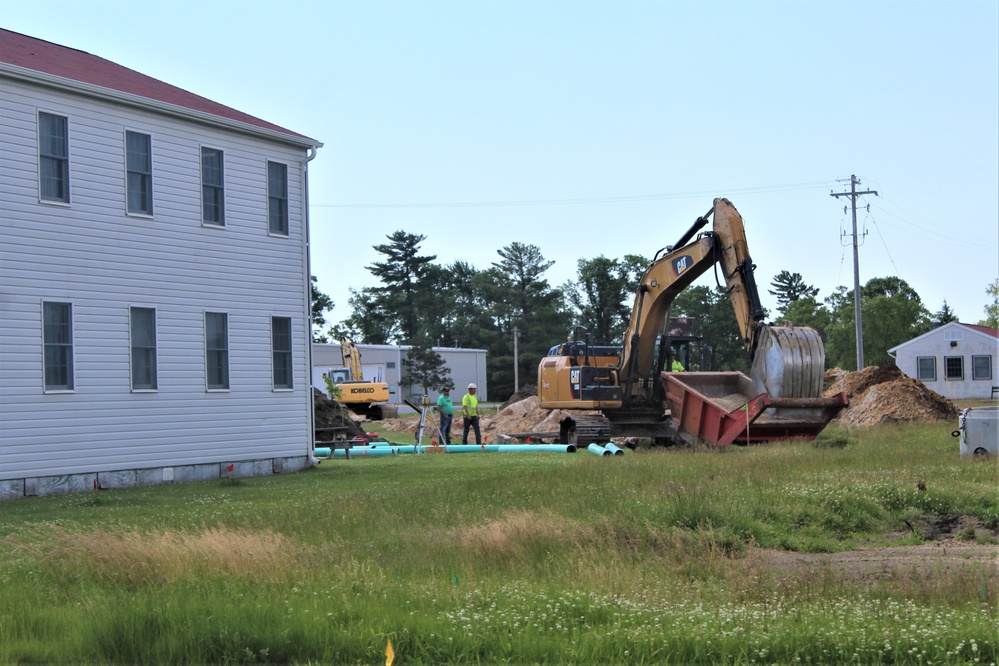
[[871, 564], [522, 416], [332, 414], [524, 393], [884, 394]]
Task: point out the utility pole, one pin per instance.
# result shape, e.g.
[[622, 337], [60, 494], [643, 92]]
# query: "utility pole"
[[853, 194], [516, 363]]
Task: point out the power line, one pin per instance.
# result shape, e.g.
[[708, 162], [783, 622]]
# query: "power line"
[[584, 201], [878, 229], [929, 231], [853, 194]]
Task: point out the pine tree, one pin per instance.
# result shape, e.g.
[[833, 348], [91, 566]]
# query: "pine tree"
[[789, 287], [945, 316]]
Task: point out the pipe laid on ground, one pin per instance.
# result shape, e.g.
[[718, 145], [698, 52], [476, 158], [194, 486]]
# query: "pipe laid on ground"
[[471, 448], [382, 449], [598, 450], [554, 448], [614, 449]]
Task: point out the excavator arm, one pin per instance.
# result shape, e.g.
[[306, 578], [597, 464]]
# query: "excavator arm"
[[351, 358], [787, 364]]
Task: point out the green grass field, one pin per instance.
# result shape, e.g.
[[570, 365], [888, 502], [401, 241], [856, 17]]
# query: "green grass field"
[[516, 558]]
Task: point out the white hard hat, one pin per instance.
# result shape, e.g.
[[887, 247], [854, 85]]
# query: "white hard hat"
[[471, 386]]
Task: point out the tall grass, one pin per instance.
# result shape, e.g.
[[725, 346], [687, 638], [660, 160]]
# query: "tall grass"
[[658, 557]]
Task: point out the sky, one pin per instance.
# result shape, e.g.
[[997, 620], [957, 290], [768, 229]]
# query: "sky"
[[606, 128]]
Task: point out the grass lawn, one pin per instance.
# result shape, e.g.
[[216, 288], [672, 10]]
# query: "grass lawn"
[[660, 556]]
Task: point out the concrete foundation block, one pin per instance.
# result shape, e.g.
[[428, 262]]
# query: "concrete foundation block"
[[11, 489], [149, 477], [119, 479]]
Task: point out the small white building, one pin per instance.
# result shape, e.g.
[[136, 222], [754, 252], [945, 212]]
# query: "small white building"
[[958, 361], [154, 291], [386, 363]]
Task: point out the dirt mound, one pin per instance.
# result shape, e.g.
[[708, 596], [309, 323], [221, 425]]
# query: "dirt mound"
[[855, 383], [332, 414], [884, 394], [524, 393], [522, 416]]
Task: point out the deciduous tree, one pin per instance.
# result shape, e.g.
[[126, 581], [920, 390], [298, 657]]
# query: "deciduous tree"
[[321, 303], [603, 295], [992, 309], [714, 319], [891, 313]]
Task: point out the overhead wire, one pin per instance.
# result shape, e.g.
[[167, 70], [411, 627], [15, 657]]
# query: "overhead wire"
[[878, 229], [585, 200], [883, 199]]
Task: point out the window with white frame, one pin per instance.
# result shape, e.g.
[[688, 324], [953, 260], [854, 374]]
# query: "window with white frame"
[[217, 350], [53, 157], [926, 368], [981, 367], [57, 339], [139, 173], [281, 349], [143, 341], [277, 198], [954, 367], [213, 186]]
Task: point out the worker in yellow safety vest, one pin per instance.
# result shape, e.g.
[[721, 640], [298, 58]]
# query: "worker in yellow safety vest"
[[470, 412]]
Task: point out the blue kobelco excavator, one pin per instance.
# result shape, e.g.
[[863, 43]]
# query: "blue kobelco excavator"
[[627, 384]]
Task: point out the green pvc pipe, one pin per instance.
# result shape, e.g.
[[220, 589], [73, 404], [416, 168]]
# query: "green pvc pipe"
[[382, 449], [555, 448], [471, 448], [614, 449], [598, 450], [366, 453]]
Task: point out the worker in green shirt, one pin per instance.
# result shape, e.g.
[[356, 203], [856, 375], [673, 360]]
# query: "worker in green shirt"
[[470, 412], [446, 410]]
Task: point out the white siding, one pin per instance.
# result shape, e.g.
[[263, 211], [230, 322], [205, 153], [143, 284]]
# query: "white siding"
[[93, 255], [937, 344]]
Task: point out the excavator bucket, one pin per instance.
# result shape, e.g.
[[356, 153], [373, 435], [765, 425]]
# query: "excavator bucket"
[[789, 362]]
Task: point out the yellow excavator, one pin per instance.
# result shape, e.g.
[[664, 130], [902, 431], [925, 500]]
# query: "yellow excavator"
[[358, 395], [627, 384]]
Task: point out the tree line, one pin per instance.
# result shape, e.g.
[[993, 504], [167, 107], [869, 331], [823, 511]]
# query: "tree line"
[[423, 303]]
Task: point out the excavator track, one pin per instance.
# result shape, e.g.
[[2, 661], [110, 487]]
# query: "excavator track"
[[585, 429]]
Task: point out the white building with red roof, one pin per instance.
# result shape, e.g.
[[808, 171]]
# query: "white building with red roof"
[[154, 280], [958, 361]]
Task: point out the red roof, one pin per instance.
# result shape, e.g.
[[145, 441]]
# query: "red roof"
[[994, 332], [41, 56]]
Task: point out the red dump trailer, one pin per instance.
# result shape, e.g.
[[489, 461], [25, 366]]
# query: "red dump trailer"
[[723, 408]]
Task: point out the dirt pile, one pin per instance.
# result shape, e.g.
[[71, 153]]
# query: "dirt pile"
[[332, 414], [524, 393], [522, 416], [884, 394]]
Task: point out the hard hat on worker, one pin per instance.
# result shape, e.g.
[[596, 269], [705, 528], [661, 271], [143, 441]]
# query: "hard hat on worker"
[[471, 386]]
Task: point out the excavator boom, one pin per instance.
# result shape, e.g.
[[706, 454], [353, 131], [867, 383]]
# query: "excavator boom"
[[787, 364], [627, 386]]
